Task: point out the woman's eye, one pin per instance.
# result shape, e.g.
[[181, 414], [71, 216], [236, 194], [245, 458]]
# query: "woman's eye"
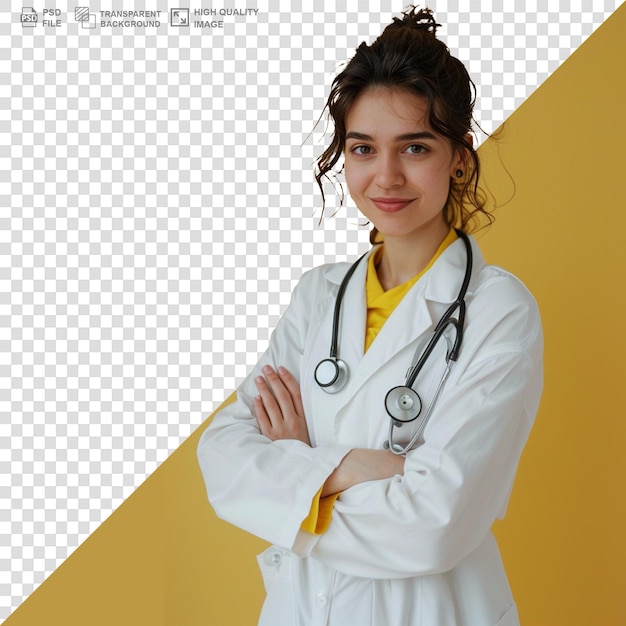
[[416, 149], [361, 150]]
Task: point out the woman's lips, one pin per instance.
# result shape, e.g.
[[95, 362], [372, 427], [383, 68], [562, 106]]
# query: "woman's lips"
[[391, 205]]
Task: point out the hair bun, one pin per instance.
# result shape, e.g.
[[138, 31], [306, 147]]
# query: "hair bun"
[[418, 19]]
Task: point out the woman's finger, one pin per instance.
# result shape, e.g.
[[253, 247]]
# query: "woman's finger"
[[278, 408], [262, 419], [294, 389], [280, 391], [270, 405]]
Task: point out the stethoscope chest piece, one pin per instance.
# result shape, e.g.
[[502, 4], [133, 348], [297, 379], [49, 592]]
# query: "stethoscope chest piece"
[[331, 375], [403, 404]]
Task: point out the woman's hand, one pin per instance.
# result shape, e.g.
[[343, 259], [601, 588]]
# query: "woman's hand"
[[278, 408], [361, 465]]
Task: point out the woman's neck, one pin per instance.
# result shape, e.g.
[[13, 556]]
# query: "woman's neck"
[[406, 256]]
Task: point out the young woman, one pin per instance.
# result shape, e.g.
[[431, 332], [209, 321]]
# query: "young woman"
[[377, 439]]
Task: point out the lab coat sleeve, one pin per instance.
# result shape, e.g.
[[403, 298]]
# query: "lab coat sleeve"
[[265, 487], [459, 480]]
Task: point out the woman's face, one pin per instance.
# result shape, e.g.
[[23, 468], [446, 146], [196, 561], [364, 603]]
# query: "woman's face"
[[397, 168]]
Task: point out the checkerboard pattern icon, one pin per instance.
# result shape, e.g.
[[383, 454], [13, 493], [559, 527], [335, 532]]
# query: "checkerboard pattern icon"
[[81, 14], [155, 217]]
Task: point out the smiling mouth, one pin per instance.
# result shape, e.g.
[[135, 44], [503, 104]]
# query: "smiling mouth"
[[391, 205]]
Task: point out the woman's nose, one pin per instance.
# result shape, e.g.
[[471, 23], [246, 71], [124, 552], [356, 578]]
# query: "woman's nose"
[[389, 173]]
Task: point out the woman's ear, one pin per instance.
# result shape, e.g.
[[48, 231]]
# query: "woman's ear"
[[462, 158]]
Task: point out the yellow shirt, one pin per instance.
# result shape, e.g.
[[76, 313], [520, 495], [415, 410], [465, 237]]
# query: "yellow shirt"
[[380, 305]]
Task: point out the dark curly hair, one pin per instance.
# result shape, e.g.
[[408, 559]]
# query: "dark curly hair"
[[408, 56]]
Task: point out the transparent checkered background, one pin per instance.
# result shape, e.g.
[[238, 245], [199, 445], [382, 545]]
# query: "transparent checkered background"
[[157, 208]]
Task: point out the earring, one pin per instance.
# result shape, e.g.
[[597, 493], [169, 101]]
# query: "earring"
[[459, 173]]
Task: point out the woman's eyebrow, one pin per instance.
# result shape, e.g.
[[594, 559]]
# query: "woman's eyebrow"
[[407, 137]]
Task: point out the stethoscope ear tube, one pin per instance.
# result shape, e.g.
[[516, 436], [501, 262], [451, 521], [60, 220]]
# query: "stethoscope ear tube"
[[334, 340], [428, 350], [458, 323]]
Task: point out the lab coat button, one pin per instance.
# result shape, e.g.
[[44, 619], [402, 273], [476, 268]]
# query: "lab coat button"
[[273, 558], [320, 599]]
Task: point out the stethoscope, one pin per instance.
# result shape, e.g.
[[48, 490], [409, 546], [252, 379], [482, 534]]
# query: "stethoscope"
[[402, 403]]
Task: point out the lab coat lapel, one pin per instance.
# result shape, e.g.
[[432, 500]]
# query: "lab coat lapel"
[[410, 319]]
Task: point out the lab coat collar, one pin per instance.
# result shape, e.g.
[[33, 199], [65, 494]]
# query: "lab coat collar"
[[444, 279]]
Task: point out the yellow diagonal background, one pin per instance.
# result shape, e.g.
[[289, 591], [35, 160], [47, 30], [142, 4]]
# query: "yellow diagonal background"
[[164, 559]]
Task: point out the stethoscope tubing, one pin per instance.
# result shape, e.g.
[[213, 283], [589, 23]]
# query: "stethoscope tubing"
[[338, 301]]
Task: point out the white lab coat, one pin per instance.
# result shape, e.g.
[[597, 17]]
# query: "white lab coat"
[[414, 549]]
